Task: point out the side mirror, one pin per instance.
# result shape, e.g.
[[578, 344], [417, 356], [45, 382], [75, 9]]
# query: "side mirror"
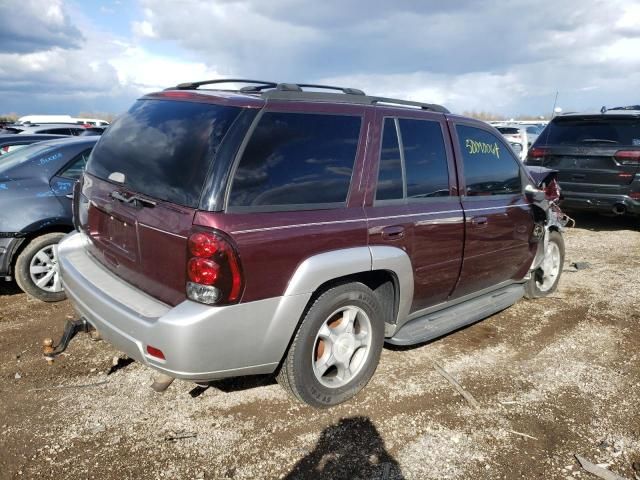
[[532, 193]]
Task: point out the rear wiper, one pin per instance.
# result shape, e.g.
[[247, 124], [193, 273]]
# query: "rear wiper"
[[132, 199], [597, 140]]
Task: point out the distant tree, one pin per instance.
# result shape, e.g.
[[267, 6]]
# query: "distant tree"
[[485, 116], [8, 117]]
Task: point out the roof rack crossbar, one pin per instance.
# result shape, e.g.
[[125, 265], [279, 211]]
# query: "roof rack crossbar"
[[297, 87], [261, 84]]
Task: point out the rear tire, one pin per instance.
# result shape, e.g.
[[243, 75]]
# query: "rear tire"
[[38, 263], [544, 280], [337, 347]]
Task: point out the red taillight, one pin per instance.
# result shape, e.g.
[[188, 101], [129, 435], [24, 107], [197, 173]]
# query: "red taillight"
[[537, 152], [203, 245], [635, 195], [628, 157], [214, 272], [203, 271], [155, 352]]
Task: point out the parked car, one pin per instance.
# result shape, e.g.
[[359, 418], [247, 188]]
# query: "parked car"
[[51, 128], [533, 132], [515, 134], [92, 131], [36, 185], [11, 142], [274, 229], [598, 159]]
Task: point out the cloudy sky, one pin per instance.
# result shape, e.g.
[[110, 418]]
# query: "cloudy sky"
[[509, 58]]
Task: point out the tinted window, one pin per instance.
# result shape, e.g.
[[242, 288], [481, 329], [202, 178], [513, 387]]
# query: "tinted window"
[[297, 159], [56, 131], [508, 130], [75, 170], [592, 130], [163, 148], [390, 170], [489, 167], [425, 159]]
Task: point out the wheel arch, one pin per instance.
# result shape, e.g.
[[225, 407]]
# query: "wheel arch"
[[34, 231]]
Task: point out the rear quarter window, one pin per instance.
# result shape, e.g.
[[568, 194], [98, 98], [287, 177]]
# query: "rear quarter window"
[[296, 160]]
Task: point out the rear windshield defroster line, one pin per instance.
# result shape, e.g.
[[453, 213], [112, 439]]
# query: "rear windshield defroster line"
[[163, 148]]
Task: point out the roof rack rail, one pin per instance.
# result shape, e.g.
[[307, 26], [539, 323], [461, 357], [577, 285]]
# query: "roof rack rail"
[[424, 106], [291, 91], [260, 84], [297, 87], [628, 107]]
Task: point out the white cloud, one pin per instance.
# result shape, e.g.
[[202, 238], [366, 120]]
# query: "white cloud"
[[502, 57]]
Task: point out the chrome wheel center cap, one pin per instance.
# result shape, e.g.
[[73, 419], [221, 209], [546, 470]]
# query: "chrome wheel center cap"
[[344, 347]]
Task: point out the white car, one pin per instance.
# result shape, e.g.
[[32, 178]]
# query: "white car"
[[516, 134]]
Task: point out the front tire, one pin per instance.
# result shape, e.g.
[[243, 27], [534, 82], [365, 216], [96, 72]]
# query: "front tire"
[[36, 269], [337, 347], [544, 280]]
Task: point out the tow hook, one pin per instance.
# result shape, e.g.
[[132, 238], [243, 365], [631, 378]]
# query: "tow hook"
[[71, 328]]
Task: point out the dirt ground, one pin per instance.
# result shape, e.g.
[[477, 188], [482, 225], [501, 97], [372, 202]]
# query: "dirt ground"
[[554, 377]]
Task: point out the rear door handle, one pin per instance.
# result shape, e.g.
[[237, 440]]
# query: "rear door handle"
[[479, 221], [395, 232]]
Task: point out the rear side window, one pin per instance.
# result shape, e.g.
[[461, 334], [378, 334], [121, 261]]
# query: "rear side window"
[[296, 159], [163, 148], [423, 159], [602, 130], [489, 167]]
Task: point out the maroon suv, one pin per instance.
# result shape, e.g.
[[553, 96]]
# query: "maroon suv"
[[282, 228]]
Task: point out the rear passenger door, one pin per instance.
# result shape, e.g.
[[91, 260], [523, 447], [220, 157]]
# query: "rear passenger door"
[[499, 220], [299, 180], [414, 204]]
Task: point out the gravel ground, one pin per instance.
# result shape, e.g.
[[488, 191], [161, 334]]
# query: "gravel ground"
[[553, 377]]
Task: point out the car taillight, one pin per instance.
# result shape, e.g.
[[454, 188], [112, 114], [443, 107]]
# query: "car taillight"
[[537, 152], [628, 157], [213, 269]]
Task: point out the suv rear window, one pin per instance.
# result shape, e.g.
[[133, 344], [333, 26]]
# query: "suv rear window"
[[592, 130], [163, 148], [296, 160]]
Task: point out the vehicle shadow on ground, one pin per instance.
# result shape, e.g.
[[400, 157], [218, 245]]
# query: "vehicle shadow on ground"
[[235, 384], [349, 449], [604, 223], [9, 288]]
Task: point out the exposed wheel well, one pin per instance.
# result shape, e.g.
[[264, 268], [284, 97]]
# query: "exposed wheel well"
[[36, 233]]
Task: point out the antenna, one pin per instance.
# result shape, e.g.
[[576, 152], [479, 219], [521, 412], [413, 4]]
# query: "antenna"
[[553, 110]]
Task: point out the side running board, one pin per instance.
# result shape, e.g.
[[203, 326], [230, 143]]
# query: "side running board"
[[436, 324]]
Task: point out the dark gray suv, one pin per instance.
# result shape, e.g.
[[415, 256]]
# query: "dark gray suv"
[[597, 157]]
